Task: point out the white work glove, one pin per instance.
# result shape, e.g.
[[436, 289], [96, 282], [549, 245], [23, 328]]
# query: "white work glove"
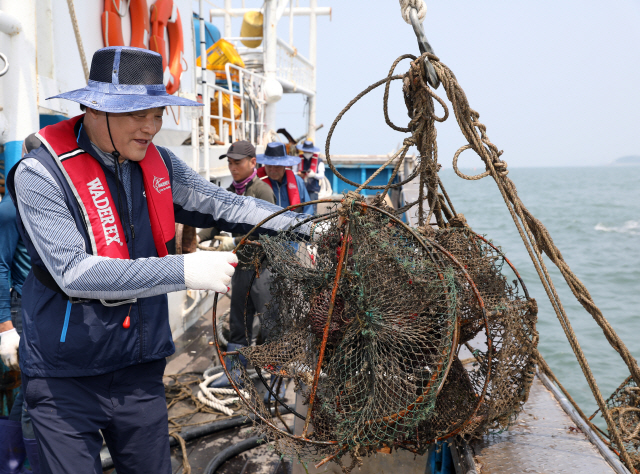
[[320, 228], [227, 244], [209, 270], [9, 341], [311, 174]]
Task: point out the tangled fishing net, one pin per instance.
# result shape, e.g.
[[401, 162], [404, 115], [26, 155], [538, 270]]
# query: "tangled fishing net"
[[393, 306], [386, 310]]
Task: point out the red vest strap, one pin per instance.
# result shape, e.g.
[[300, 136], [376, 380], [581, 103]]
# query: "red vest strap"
[[86, 177], [157, 187], [292, 188], [60, 136], [292, 185], [262, 174]]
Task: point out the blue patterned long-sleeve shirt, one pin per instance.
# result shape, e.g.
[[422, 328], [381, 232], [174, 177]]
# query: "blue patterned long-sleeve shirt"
[[53, 231], [14, 259]]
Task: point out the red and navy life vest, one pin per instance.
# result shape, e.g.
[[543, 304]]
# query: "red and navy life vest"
[[292, 185], [88, 182], [313, 163], [312, 184], [89, 337]]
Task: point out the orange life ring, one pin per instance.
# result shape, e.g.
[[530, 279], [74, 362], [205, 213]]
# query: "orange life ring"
[[112, 24], [164, 14]]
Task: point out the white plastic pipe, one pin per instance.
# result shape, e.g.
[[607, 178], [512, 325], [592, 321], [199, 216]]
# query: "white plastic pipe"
[[9, 24], [313, 48], [270, 56], [19, 84]]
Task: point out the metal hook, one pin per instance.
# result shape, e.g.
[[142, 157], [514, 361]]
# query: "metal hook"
[[425, 47]]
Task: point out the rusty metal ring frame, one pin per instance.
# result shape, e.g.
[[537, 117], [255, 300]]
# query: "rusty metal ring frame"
[[423, 240]]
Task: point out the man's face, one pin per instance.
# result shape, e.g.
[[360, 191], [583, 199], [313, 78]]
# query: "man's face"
[[131, 132], [241, 169], [276, 173], [308, 155]]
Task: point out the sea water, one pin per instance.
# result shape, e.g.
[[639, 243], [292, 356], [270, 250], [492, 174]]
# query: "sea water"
[[593, 216]]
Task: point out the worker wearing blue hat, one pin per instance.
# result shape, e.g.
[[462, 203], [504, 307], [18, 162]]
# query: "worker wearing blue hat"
[[97, 204], [288, 187], [310, 168]]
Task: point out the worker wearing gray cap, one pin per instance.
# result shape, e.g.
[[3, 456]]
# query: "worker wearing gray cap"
[[246, 299]]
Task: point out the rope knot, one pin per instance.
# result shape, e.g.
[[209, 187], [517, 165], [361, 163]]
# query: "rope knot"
[[407, 5], [501, 167]]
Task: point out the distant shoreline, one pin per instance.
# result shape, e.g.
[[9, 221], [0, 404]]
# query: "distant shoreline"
[[633, 160]]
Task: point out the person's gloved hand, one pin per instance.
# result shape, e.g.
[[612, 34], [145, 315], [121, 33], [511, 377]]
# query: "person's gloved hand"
[[227, 244], [311, 174], [209, 270], [9, 341], [320, 228]]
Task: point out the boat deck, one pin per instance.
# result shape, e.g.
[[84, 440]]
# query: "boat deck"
[[543, 439]]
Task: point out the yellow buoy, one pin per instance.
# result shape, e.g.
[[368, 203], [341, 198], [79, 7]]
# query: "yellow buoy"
[[252, 28]]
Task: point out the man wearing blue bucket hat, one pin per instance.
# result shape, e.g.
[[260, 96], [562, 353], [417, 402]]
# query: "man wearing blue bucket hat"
[[288, 188], [97, 204], [310, 168]]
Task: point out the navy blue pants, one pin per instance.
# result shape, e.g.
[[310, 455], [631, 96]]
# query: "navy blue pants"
[[127, 405]]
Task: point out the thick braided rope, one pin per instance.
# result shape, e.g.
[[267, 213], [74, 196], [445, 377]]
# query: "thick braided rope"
[[536, 239]]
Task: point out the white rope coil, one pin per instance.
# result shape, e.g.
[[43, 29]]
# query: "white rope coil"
[[207, 397], [407, 5]]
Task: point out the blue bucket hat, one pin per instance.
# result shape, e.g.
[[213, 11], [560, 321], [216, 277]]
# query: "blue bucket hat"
[[308, 147], [276, 154], [125, 79]]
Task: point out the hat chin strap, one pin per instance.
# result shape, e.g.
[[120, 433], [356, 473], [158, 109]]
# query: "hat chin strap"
[[115, 153], [116, 159]]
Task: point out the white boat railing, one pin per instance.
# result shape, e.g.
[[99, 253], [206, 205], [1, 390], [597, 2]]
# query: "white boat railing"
[[244, 92], [237, 108], [293, 70]]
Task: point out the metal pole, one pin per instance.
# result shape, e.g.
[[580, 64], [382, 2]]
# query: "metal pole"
[[20, 89], [206, 122], [270, 56], [227, 18], [195, 144], [291, 23], [313, 46]]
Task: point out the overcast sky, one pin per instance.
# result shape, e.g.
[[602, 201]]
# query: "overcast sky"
[[557, 83]]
